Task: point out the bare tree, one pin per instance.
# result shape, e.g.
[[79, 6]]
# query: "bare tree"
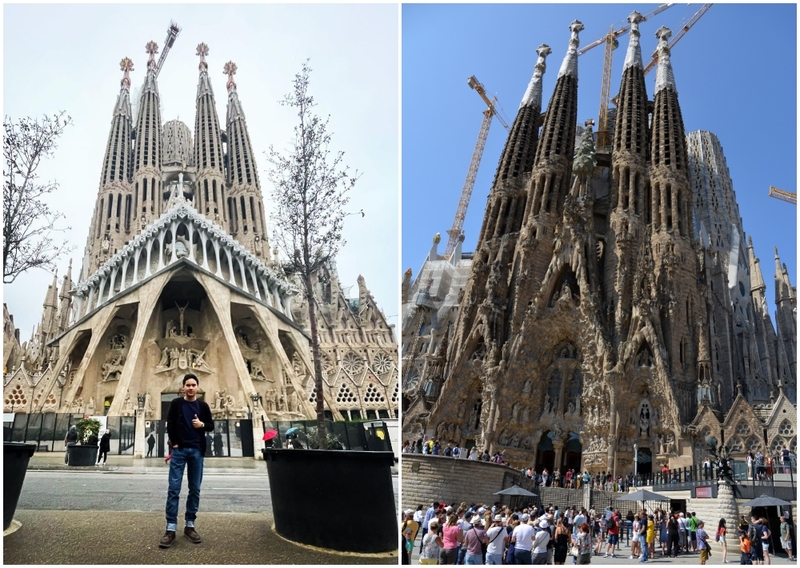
[[28, 221], [310, 192]]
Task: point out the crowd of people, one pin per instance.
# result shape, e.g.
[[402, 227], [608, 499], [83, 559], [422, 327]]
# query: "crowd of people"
[[483, 534]]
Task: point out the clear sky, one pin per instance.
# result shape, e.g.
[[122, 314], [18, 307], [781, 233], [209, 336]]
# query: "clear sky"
[[735, 71], [66, 57]]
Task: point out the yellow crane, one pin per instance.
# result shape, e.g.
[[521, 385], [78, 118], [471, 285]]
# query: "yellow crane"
[[682, 32], [455, 232], [783, 195], [611, 43]]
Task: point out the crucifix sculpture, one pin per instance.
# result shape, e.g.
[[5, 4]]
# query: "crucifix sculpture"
[[181, 330]]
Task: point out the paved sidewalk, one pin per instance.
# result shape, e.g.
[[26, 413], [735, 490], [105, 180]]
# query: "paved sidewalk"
[[128, 464], [100, 537]]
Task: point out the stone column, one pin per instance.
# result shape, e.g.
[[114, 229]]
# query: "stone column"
[[726, 504], [559, 447], [139, 443]]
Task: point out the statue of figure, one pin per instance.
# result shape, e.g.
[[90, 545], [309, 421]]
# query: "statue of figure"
[[293, 401], [514, 412], [514, 440], [257, 371], [671, 443], [199, 358], [127, 405], [182, 330], [282, 402], [269, 400], [526, 414], [570, 409], [181, 247], [90, 407], [660, 444], [526, 388], [230, 403], [171, 329], [440, 430], [503, 439], [164, 362], [219, 399], [644, 421]]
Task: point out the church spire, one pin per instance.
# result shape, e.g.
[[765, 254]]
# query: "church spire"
[[633, 58], [664, 75], [246, 207], [147, 161]]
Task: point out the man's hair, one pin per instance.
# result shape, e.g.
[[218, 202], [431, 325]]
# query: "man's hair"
[[188, 376]]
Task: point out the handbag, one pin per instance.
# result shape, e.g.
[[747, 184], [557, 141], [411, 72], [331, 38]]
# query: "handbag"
[[574, 550]]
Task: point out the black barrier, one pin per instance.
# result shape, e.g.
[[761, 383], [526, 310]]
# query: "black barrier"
[[15, 464], [348, 483]]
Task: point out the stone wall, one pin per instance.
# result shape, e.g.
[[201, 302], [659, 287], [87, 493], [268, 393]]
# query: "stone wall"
[[437, 478]]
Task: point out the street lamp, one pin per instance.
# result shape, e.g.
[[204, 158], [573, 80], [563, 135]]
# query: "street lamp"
[[635, 461]]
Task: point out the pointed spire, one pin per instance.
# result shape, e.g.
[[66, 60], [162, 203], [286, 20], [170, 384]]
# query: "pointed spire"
[[664, 76], [634, 56], [204, 84], [533, 95], [51, 298], [234, 106], [756, 276], [585, 161], [570, 64]]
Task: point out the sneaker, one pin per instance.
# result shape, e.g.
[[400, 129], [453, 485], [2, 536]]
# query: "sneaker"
[[192, 535], [167, 539], [613, 556], [630, 557], [605, 556]]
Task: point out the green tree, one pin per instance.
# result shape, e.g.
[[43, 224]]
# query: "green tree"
[[310, 192], [28, 221]]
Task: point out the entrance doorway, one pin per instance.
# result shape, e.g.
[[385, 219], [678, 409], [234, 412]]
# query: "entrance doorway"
[[572, 454], [546, 454], [645, 461]]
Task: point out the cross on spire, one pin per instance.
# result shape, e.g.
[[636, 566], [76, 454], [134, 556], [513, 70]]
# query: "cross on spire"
[[230, 71], [126, 65], [151, 48], [202, 51]]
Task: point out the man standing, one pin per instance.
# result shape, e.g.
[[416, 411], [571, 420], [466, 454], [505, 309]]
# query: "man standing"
[[475, 538], [702, 542], [105, 446], [522, 537], [496, 537], [693, 531], [187, 419], [429, 514]]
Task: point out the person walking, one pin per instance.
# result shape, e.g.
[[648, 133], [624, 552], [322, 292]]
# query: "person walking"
[[766, 534], [151, 443], [105, 446], [722, 539], [496, 537], [475, 539], [452, 537], [786, 534], [539, 544], [754, 535], [408, 530], [583, 540], [673, 541], [561, 538], [187, 418]]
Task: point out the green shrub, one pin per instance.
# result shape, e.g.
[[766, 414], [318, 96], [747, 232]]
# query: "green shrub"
[[87, 427]]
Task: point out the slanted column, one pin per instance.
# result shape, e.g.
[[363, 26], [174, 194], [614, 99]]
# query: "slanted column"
[[124, 273], [203, 240], [112, 281], [219, 264], [160, 241], [149, 254], [229, 254], [241, 272], [191, 230], [256, 292], [173, 229]]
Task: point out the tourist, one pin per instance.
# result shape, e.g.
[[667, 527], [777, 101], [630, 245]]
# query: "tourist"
[[754, 534], [522, 537], [496, 537], [70, 438], [511, 553], [635, 545], [702, 542], [645, 554], [750, 464], [612, 528], [473, 454], [105, 446], [682, 533], [151, 443], [766, 534], [745, 547], [187, 418], [786, 462], [475, 539], [651, 536], [583, 541], [419, 516], [673, 541], [693, 520], [561, 542], [452, 537], [540, 542], [722, 539], [429, 514], [431, 544], [408, 530], [786, 535]]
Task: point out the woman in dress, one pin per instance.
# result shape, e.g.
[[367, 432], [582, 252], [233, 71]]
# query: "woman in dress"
[[635, 545], [561, 545], [721, 538], [431, 544], [663, 534]]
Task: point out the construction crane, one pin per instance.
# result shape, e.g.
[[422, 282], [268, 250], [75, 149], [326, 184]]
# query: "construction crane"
[[172, 33], [455, 232], [682, 32], [611, 43], [787, 196]]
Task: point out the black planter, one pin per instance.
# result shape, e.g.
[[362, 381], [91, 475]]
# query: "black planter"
[[16, 456], [78, 455], [351, 490]]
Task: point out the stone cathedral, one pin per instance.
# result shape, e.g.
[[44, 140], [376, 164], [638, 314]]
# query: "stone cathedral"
[[612, 299], [178, 277]]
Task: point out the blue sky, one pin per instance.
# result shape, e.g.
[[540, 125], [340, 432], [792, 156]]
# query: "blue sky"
[[735, 71], [67, 57]]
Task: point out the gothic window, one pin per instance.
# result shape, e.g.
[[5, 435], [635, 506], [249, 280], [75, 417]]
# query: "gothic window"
[[786, 429], [382, 363], [716, 355], [776, 445], [16, 398], [753, 443], [411, 380], [735, 444], [395, 394], [352, 363], [345, 396], [373, 395], [312, 398], [743, 428]]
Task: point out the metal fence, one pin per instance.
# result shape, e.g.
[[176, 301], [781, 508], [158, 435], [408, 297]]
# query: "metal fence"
[[360, 436], [48, 431]]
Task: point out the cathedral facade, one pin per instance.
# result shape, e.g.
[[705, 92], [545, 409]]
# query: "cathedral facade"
[[178, 276], [612, 299]]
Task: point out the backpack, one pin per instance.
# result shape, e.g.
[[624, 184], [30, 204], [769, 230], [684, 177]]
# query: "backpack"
[[610, 524]]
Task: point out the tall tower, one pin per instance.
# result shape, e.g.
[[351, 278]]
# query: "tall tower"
[[246, 208], [486, 307], [785, 318], [630, 187], [672, 240], [210, 185], [147, 148], [111, 221]]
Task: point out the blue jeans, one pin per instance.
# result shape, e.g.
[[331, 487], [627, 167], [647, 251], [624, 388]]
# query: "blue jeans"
[[472, 559], [522, 556], [184, 458]]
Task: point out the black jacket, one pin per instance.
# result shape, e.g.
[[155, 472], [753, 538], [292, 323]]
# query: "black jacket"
[[176, 428]]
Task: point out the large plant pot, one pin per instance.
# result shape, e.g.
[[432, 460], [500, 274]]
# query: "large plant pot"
[[16, 456], [79, 455], [351, 490]]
